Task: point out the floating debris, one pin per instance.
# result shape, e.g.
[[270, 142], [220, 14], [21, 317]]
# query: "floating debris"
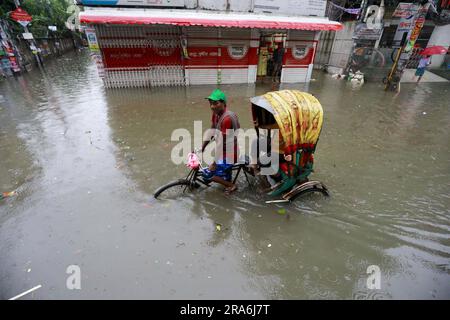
[[180, 243], [277, 201], [282, 211], [218, 227], [7, 194], [338, 76]]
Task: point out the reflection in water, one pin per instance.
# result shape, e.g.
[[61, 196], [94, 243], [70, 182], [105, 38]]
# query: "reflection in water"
[[17, 166], [87, 161]]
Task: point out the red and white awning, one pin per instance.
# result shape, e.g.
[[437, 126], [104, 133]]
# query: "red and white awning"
[[205, 19]]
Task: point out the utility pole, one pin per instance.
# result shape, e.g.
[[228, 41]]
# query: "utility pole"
[[33, 43]]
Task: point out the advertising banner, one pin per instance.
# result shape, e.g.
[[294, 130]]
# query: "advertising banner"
[[406, 24], [405, 10], [420, 21], [92, 39]]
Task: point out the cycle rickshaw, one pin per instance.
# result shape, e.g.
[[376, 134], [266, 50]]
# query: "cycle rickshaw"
[[298, 117]]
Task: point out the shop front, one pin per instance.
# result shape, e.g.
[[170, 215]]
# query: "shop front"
[[184, 47]]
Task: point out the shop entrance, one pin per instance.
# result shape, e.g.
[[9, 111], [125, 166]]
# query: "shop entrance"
[[270, 56]]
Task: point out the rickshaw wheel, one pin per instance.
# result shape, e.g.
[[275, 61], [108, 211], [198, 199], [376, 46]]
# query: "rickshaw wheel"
[[304, 188], [175, 188]]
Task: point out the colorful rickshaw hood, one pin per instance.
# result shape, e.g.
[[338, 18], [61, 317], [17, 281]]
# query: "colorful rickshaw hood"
[[299, 116]]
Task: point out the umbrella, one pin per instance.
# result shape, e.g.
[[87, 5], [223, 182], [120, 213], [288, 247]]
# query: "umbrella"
[[433, 50]]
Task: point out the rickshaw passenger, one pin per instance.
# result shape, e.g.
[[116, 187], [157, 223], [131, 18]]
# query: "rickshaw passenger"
[[284, 159], [222, 120]]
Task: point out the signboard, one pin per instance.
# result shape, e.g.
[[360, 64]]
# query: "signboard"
[[95, 50], [406, 24], [298, 54], [292, 7], [92, 39], [237, 51], [300, 51], [135, 3], [406, 54], [201, 56], [21, 16], [363, 32], [420, 21], [27, 36], [405, 10]]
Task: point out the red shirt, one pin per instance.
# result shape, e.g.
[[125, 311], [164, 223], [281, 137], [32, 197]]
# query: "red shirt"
[[227, 124]]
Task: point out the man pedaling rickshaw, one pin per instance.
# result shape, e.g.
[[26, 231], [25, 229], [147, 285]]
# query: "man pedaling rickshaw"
[[226, 147], [297, 117]]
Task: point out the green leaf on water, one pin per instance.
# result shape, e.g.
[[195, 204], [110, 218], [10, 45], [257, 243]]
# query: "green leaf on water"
[[282, 211]]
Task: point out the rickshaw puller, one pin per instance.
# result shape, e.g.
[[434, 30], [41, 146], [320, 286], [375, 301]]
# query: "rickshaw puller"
[[222, 120]]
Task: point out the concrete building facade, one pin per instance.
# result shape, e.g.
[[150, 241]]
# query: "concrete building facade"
[[202, 42]]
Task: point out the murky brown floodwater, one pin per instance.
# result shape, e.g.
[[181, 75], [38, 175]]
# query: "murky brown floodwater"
[[86, 161]]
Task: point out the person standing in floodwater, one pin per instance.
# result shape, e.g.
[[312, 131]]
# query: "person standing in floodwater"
[[423, 63], [277, 61]]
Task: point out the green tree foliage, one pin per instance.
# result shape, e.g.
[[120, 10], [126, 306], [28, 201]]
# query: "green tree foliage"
[[44, 12]]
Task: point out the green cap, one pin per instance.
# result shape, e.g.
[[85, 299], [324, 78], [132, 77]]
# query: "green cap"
[[217, 95]]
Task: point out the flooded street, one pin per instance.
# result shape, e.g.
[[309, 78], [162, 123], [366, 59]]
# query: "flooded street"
[[85, 162]]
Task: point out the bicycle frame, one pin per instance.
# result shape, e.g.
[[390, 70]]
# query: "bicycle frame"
[[195, 176]]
